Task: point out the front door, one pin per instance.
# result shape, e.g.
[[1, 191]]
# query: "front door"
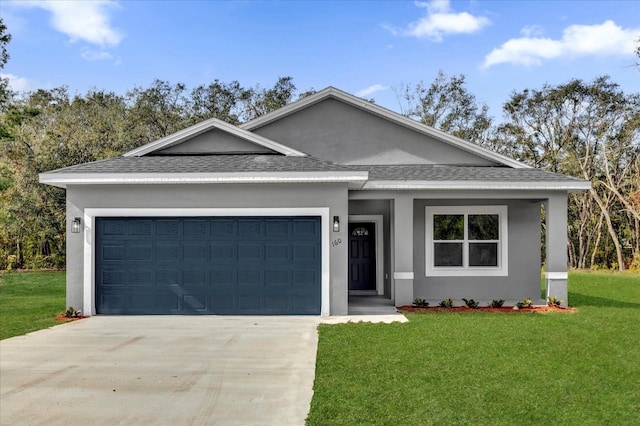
[[362, 256]]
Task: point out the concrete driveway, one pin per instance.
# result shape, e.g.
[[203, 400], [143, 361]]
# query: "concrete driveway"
[[161, 370]]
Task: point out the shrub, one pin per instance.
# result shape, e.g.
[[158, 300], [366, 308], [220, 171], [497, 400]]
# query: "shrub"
[[471, 303], [72, 313], [554, 301], [496, 303], [420, 303], [524, 303], [446, 303]]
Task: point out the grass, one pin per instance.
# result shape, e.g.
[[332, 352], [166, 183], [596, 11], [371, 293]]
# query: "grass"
[[30, 301], [489, 368]]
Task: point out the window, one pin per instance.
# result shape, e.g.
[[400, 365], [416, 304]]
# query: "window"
[[360, 232], [466, 240]]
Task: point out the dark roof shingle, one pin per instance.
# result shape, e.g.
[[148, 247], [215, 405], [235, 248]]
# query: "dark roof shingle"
[[205, 164], [439, 173]]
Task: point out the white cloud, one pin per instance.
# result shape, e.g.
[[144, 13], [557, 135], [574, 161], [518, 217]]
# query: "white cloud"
[[532, 31], [441, 21], [88, 20], [92, 55], [17, 84], [370, 90], [577, 40]]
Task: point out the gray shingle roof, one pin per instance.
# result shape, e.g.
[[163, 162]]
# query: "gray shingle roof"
[[206, 164], [421, 172], [249, 167]]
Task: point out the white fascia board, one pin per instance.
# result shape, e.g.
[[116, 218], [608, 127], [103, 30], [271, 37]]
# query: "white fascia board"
[[212, 123], [477, 185], [389, 115], [63, 179]]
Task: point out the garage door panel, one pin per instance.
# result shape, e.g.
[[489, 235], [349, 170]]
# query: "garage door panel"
[[112, 277], [249, 228], [221, 277], [195, 277], [250, 278], [139, 251], [195, 303], [114, 252], [223, 229], [196, 228], [114, 227], [167, 228], [304, 278], [171, 252], [277, 252], [303, 303], [168, 277], [140, 227], [249, 252], [196, 252], [140, 277], [214, 265], [305, 252], [280, 278], [305, 229]]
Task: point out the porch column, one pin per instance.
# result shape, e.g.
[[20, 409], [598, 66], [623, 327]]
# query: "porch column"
[[556, 275], [403, 249]]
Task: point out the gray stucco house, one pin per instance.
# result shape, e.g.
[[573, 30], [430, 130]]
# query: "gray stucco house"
[[289, 213]]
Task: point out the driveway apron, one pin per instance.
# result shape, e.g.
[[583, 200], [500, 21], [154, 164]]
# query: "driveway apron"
[[161, 370]]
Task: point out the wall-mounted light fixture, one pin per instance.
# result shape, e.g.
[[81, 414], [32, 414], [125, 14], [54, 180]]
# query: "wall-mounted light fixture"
[[336, 224], [76, 225]]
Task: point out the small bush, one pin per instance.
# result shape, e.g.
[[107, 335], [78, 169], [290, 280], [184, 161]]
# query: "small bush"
[[420, 303], [72, 313], [446, 303], [496, 303], [524, 303], [471, 303], [554, 301]]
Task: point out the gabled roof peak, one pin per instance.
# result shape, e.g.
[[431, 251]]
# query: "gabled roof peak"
[[342, 96], [205, 126]]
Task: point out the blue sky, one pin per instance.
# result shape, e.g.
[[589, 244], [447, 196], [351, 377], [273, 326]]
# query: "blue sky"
[[362, 47]]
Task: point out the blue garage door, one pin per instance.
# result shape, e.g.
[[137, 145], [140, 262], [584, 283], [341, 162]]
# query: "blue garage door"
[[208, 265]]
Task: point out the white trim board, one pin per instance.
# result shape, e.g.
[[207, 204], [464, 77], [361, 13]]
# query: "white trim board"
[[377, 220], [556, 275], [61, 179], [89, 284], [477, 185]]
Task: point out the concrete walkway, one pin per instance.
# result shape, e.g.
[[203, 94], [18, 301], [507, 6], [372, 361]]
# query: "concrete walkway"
[[161, 370]]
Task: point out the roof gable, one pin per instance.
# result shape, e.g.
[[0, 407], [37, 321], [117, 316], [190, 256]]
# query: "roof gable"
[[213, 136], [447, 146]]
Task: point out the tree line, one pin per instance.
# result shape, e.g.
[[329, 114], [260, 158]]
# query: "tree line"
[[590, 130]]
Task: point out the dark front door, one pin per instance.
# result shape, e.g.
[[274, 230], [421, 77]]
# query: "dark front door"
[[362, 256]]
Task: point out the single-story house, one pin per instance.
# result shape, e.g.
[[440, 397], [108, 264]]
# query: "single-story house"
[[293, 211]]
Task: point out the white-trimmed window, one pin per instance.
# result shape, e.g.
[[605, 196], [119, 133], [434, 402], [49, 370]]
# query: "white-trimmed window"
[[466, 241]]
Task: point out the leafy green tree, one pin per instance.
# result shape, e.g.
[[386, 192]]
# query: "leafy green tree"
[[446, 104], [592, 131], [159, 110], [217, 100], [5, 38], [259, 101]]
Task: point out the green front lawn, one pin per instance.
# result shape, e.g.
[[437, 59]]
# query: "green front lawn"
[[483, 368], [30, 301]]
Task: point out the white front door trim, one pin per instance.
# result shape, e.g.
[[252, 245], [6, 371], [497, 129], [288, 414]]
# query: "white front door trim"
[[89, 284], [377, 221]]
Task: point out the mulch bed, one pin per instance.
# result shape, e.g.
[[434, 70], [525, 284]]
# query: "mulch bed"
[[505, 309], [63, 318]]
